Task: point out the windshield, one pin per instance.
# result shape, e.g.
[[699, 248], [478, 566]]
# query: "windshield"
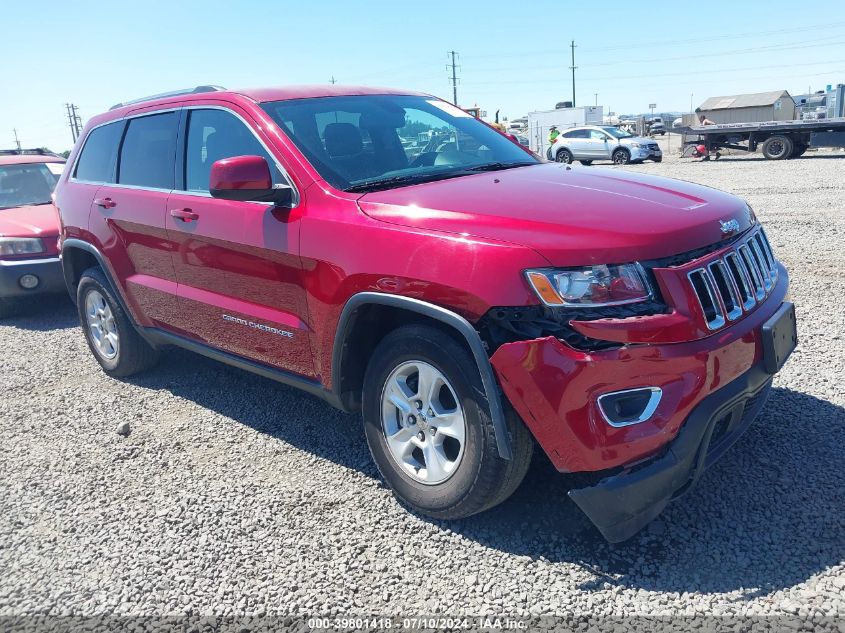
[[615, 131], [362, 143], [30, 183]]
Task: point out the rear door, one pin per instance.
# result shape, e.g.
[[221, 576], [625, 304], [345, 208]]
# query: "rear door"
[[128, 217], [237, 263], [576, 141]]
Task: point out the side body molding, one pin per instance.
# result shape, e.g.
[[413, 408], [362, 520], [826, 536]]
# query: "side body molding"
[[464, 327]]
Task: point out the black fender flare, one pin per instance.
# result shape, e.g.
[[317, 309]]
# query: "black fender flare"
[[447, 317], [93, 250]]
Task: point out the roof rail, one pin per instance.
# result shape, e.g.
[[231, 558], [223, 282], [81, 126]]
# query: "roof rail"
[[174, 93], [35, 151]]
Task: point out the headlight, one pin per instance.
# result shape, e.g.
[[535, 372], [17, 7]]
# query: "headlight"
[[590, 286], [635, 145], [10, 246]]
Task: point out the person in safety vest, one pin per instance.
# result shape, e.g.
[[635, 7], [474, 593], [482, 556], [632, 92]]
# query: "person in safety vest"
[[553, 134]]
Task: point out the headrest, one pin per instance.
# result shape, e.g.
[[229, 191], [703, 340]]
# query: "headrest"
[[342, 139]]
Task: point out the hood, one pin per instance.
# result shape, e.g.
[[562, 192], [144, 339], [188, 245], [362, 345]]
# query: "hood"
[[40, 220], [572, 216], [636, 139]]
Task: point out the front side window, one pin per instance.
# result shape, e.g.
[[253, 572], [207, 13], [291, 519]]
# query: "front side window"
[[598, 136], [96, 161], [25, 184], [215, 134], [368, 142], [615, 131], [148, 152]]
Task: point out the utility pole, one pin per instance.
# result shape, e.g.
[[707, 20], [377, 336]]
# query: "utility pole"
[[17, 142], [572, 68], [596, 95], [332, 80], [454, 78], [73, 120]]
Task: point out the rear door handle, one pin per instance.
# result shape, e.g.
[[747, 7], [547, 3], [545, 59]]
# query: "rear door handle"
[[106, 203], [186, 215]]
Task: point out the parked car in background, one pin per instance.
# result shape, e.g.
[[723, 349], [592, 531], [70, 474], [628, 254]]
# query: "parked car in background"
[[592, 142], [29, 226], [679, 122], [470, 301]]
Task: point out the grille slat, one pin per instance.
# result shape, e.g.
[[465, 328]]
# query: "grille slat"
[[734, 284]]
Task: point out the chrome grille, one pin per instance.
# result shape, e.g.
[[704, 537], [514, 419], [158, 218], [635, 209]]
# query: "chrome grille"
[[734, 284]]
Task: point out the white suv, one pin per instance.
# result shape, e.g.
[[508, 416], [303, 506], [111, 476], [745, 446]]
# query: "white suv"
[[593, 142]]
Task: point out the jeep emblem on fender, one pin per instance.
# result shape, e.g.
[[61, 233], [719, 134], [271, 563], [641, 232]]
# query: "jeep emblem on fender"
[[728, 226]]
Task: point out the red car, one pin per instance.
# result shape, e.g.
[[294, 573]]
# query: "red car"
[[389, 253], [29, 226]]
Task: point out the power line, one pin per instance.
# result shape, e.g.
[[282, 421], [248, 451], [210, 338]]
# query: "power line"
[[709, 38], [454, 78]]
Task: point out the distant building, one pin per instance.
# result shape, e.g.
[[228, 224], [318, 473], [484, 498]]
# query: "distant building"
[[760, 106]]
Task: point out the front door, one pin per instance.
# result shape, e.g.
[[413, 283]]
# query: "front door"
[[237, 263], [599, 145]]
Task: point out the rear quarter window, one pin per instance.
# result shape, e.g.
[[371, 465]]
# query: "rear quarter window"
[[96, 161]]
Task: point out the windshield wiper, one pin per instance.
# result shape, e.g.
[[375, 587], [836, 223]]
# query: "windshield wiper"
[[408, 179], [498, 166]]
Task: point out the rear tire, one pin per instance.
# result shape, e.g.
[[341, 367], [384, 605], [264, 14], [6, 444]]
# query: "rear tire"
[[777, 147], [450, 471], [658, 160], [563, 156], [798, 149], [112, 338], [621, 157]]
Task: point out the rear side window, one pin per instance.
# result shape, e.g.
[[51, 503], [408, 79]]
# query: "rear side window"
[[96, 162], [577, 134], [217, 134], [148, 153]]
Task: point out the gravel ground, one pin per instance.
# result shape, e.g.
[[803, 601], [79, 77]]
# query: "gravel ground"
[[234, 495]]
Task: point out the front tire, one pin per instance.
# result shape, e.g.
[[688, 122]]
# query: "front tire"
[[112, 338], [621, 157], [563, 156], [429, 430]]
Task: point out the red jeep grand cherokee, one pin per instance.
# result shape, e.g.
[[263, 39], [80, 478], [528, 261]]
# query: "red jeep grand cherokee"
[[29, 226], [390, 253]]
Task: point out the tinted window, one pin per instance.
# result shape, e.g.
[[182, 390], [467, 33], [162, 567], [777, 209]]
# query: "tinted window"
[[96, 162], [148, 152], [576, 134], [216, 134]]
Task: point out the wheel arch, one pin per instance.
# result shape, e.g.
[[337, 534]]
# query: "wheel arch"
[[77, 257], [354, 344]]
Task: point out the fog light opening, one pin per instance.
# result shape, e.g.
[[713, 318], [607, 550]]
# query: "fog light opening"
[[630, 406], [29, 282]]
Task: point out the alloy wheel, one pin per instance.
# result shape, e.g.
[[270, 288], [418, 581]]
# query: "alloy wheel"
[[102, 328], [423, 422]]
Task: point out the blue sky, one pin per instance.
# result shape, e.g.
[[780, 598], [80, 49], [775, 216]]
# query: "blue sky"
[[514, 56]]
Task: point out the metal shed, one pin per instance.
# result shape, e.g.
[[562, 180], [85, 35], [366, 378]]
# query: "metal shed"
[[761, 106]]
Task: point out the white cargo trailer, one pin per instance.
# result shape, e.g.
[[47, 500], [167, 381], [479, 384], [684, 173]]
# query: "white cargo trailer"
[[541, 121]]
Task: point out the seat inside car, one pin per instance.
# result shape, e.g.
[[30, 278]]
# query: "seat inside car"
[[346, 148]]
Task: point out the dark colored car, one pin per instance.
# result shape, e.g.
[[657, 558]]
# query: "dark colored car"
[[29, 227], [469, 299]]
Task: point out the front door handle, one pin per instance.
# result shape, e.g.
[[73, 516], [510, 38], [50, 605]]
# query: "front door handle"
[[106, 203], [186, 215]]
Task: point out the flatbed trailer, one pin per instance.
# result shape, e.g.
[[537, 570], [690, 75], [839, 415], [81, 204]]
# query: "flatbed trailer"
[[777, 140]]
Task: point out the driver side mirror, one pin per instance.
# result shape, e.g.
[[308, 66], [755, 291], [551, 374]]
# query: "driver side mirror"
[[247, 179]]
